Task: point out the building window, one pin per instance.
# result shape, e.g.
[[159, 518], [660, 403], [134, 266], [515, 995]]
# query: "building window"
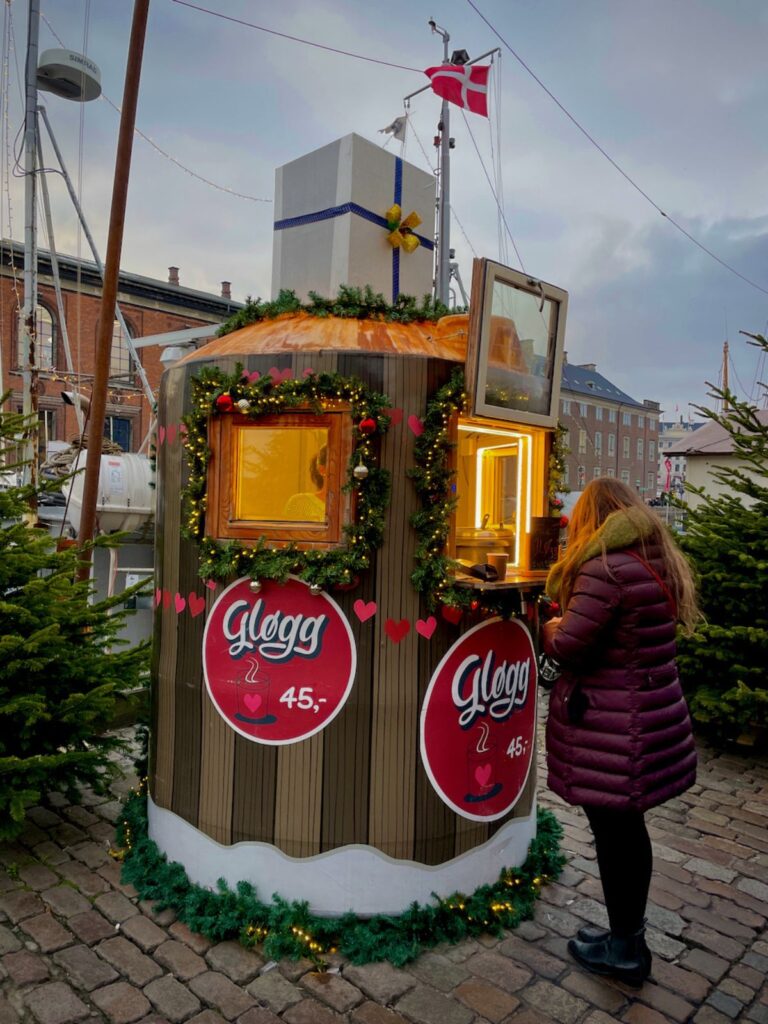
[[582, 476], [651, 451], [626, 419], [611, 415], [610, 471], [598, 412], [596, 472], [640, 448], [45, 341], [598, 442], [566, 474], [651, 424], [122, 367], [651, 482], [582, 442], [566, 407], [641, 421], [625, 476], [611, 444], [567, 439], [625, 447], [118, 429], [583, 410]]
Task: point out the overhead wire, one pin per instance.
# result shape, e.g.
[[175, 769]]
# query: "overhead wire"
[[298, 39], [609, 158]]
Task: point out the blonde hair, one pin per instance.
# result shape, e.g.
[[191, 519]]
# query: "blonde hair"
[[602, 497]]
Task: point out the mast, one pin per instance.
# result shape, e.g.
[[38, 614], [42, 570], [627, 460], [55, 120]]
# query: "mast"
[[29, 314], [726, 404], [443, 269]]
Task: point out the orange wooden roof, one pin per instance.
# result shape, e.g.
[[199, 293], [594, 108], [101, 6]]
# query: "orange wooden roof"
[[447, 339]]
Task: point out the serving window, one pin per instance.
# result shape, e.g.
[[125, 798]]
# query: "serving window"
[[499, 489], [280, 478]]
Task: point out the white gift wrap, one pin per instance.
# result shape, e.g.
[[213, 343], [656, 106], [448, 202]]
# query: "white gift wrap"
[[329, 222]]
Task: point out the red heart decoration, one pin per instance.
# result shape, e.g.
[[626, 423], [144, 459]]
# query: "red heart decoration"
[[251, 377], [415, 425], [196, 604], [308, 372], [170, 433], [396, 631], [253, 702], [211, 584], [395, 416], [278, 376], [160, 435], [426, 627], [483, 774], [451, 614], [158, 597], [180, 603], [166, 599], [364, 611]]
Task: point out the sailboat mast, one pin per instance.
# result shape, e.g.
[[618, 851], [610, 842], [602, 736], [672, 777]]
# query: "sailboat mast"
[[443, 269], [726, 404]]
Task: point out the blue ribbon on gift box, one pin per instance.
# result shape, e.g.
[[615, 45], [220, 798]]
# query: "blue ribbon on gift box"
[[360, 211]]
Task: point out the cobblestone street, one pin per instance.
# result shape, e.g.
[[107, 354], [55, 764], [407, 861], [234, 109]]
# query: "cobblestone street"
[[76, 945]]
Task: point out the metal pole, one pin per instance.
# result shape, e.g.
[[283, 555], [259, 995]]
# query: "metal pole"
[[111, 274], [148, 392], [443, 270], [29, 314]]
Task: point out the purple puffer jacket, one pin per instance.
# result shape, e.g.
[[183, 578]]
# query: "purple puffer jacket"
[[633, 746]]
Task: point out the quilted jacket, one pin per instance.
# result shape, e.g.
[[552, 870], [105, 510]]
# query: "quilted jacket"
[[619, 733]]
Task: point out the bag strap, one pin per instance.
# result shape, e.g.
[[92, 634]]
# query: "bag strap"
[[665, 589]]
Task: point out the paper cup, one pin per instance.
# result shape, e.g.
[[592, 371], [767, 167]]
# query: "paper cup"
[[498, 559]]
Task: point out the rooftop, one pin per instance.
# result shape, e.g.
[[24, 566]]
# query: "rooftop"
[[585, 380], [710, 439]]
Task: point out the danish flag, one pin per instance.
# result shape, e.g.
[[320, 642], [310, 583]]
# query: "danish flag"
[[462, 84]]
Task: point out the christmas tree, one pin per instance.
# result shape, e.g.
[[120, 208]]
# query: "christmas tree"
[[62, 667], [723, 664]]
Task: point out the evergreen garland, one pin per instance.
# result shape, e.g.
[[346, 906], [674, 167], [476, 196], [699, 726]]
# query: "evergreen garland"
[[288, 930], [350, 304], [557, 456], [336, 567]]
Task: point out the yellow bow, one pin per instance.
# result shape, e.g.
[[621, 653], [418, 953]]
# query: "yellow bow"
[[401, 229]]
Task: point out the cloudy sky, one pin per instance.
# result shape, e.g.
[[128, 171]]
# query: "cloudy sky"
[[676, 93]]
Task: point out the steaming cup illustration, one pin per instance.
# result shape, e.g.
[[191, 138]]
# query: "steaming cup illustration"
[[253, 693], [481, 765]]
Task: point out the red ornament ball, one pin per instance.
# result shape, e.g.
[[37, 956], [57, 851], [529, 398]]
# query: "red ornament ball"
[[225, 403], [563, 522], [367, 426]]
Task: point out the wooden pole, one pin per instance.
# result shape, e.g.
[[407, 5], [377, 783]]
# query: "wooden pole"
[[111, 275]]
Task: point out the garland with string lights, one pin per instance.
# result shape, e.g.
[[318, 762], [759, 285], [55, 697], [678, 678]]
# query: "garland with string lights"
[[433, 480], [557, 456], [287, 929], [350, 304], [215, 393]]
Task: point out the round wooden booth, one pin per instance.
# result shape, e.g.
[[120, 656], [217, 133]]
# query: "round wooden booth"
[[355, 742]]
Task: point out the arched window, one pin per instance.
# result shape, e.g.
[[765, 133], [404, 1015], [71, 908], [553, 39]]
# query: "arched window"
[[122, 367], [45, 341]]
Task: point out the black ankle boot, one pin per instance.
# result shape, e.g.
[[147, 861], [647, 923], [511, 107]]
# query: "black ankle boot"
[[591, 933], [626, 958]]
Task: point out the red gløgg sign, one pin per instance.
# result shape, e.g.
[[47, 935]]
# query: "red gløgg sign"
[[278, 665], [478, 722]]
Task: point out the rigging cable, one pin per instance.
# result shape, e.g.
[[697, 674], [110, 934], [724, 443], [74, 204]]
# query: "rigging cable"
[[610, 159], [297, 39], [160, 150]]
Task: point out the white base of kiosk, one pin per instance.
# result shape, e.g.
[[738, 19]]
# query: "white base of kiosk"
[[357, 878]]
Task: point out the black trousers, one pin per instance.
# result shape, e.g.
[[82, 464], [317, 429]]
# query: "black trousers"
[[625, 859]]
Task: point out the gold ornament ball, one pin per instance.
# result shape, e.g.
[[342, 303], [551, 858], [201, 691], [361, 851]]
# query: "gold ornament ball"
[[255, 586], [243, 405], [360, 472]]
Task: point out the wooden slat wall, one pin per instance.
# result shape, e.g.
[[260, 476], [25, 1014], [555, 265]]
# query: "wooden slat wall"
[[360, 780]]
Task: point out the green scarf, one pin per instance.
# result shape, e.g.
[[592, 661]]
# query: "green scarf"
[[620, 530]]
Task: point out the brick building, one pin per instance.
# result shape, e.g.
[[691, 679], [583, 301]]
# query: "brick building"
[[609, 433], [149, 307]]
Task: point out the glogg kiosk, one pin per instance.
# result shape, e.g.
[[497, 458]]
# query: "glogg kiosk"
[[342, 712]]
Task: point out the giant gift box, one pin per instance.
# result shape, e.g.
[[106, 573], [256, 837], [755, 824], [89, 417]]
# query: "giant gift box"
[[330, 224]]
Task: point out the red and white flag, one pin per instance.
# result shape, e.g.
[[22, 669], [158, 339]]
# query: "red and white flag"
[[463, 84]]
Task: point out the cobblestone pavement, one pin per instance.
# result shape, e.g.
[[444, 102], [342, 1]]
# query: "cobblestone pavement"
[[76, 945]]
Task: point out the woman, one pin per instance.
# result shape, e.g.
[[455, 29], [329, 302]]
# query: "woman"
[[619, 737]]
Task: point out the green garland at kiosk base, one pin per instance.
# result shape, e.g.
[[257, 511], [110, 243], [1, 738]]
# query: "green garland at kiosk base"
[[288, 929]]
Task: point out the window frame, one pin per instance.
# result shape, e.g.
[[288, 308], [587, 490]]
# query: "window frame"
[[19, 360], [221, 482]]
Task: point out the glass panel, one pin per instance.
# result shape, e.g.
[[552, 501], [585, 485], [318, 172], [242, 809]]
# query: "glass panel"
[[44, 342], [521, 350], [280, 474]]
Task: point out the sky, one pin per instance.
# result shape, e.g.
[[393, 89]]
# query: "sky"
[[675, 93]]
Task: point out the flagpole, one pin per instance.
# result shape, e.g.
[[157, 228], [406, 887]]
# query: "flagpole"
[[443, 269]]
